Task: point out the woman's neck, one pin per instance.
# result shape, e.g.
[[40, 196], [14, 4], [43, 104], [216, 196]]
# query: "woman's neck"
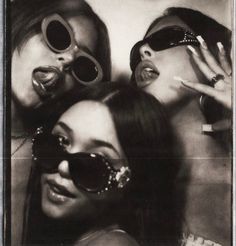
[[188, 116], [187, 124]]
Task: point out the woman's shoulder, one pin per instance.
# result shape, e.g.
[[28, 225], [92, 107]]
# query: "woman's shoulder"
[[114, 238]]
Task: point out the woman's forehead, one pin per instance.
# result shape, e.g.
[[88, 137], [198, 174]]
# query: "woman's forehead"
[[168, 21]]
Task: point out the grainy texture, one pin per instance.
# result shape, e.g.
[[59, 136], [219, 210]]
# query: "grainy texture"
[[128, 20]]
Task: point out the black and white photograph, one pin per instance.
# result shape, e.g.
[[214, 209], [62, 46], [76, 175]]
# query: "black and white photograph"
[[118, 123]]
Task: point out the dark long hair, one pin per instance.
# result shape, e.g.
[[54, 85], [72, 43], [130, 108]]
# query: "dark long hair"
[[27, 15], [145, 136], [147, 211], [212, 32]]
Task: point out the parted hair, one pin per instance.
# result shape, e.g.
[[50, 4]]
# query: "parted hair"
[[27, 15], [147, 211]]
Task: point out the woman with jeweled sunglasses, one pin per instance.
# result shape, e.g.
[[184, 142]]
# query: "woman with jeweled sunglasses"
[[57, 46], [104, 173], [180, 49]]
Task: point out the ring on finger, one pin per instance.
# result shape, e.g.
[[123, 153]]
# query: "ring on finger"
[[216, 78]]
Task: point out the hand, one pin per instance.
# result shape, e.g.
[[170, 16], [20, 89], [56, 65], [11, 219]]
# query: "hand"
[[219, 74]]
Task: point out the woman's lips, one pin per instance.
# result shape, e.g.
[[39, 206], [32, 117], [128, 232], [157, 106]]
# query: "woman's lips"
[[45, 80], [58, 193], [145, 73]]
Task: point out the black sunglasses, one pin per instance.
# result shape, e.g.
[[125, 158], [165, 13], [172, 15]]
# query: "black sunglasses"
[[165, 38], [90, 171], [60, 38]]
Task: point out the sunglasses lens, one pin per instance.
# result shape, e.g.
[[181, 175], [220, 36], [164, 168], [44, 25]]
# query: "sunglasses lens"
[[89, 172], [166, 38], [161, 40], [58, 36], [85, 69], [46, 150]]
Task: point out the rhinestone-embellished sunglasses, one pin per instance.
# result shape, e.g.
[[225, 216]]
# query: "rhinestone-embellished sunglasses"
[[60, 38], [165, 38], [89, 171]]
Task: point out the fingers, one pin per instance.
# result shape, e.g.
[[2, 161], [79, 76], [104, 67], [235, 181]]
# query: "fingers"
[[221, 125], [210, 67], [223, 97], [209, 58], [223, 60], [204, 68], [205, 89], [216, 73]]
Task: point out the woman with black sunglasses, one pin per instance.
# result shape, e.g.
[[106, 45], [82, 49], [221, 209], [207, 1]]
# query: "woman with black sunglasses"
[[104, 173], [182, 49], [57, 46]]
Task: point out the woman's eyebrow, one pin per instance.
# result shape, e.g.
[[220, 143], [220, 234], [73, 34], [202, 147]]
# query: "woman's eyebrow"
[[105, 144], [64, 126], [86, 49]]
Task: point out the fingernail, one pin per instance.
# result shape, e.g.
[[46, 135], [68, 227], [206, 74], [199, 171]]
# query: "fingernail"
[[183, 81], [194, 52], [221, 48], [177, 78], [207, 128], [202, 42]]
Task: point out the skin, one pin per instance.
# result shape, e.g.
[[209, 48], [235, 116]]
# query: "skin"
[[165, 88], [221, 91], [81, 133], [36, 53], [205, 178]]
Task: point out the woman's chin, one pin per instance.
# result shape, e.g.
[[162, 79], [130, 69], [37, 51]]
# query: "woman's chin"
[[54, 205]]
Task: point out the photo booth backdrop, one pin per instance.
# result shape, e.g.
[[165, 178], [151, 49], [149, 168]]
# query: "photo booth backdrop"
[[128, 20]]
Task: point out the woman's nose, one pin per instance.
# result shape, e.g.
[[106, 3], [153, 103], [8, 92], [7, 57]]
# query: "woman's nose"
[[66, 58], [63, 169], [146, 52]]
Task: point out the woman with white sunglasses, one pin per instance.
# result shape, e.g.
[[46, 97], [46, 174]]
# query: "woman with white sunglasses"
[[57, 47]]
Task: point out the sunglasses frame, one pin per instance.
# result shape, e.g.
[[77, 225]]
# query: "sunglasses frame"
[[56, 17], [116, 178], [189, 38]]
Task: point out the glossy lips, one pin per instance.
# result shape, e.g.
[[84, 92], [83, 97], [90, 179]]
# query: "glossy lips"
[[145, 73], [45, 80], [57, 193]]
